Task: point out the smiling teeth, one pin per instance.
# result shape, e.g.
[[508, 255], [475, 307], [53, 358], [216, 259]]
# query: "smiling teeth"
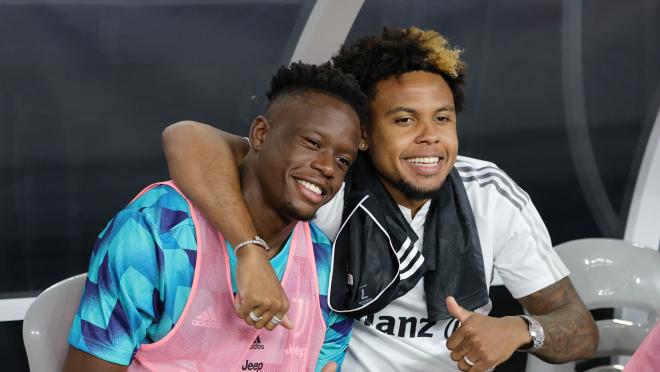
[[310, 186], [433, 160]]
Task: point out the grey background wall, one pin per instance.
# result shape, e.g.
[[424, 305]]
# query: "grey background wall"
[[87, 87]]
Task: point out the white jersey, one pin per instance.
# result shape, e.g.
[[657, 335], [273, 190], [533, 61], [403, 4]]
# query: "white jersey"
[[514, 243]]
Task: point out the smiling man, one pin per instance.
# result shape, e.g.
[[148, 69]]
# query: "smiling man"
[[418, 229], [413, 163], [161, 284]]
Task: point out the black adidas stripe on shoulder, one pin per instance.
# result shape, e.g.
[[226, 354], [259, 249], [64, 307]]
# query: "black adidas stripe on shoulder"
[[491, 175]]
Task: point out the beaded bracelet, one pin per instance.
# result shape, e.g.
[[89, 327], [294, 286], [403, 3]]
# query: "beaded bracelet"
[[256, 241]]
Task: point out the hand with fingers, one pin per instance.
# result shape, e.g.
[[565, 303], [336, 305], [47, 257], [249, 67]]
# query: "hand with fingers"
[[260, 300], [481, 342]]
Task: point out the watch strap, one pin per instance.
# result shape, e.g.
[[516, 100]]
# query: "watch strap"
[[535, 330]]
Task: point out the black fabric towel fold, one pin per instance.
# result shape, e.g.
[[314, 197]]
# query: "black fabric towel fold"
[[374, 259]]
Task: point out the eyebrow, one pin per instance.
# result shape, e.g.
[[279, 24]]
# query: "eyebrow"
[[413, 111]]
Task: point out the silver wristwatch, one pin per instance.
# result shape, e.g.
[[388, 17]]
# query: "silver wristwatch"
[[536, 332]]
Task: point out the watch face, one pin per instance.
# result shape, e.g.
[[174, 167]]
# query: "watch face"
[[536, 332]]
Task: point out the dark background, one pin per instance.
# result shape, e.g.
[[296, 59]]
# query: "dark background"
[[87, 87]]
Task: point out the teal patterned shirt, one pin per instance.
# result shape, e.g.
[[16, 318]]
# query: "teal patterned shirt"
[[141, 273]]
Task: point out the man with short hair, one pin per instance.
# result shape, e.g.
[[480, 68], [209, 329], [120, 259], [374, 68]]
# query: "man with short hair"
[[419, 231], [161, 284]]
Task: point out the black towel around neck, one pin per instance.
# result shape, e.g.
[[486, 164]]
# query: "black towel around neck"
[[371, 263]]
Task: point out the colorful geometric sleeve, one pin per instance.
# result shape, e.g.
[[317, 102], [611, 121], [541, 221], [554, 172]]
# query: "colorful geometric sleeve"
[[338, 326], [129, 297]]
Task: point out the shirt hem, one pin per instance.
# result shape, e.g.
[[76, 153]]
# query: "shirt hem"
[[117, 357], [533, 286]]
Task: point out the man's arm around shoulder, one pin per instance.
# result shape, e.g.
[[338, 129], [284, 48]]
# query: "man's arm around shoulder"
[[203, 161]]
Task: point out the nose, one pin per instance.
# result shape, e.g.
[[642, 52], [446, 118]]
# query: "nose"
[[324, 162], [428, 132]]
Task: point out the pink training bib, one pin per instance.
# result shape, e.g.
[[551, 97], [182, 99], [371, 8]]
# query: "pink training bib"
[[647, 356], [210, 337]]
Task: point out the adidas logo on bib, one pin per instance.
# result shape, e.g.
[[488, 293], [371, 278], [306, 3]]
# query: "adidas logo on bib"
[[257, 345], [206, 319]]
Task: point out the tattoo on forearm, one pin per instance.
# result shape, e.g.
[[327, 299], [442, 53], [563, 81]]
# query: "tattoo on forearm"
[[570, 332]]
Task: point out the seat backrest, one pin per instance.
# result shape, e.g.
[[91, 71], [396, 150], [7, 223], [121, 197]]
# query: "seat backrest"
[[47, 323], [612, 273]]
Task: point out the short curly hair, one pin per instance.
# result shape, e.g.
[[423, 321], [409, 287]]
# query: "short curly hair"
[[301, 77], [396, 51]]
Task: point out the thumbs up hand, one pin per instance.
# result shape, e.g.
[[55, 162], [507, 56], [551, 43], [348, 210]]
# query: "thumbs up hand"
[[481, 342], [456, 310]]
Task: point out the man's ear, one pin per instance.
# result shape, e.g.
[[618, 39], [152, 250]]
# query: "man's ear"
[[364, 145], [259, 131]]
